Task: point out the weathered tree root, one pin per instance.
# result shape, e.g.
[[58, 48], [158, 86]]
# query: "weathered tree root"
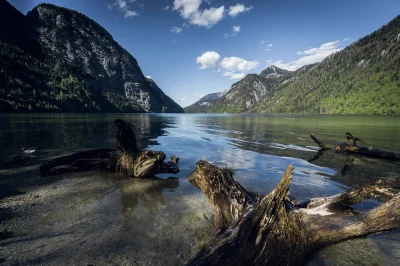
[[271, 230], [127, 157], [351, 147]]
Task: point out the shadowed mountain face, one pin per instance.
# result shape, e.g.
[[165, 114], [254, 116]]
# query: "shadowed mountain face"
[[76, 56]]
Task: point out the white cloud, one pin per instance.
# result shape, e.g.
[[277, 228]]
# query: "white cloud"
[[233, 11], [189, 9], [208, 60], [233, 75], [122, 5], [235, 67], [184, 98], [175, 29], [236, 28], [346, 39], [199, 95], [130, 13], [265, 46], [238, 64], [208, 17], [166, 8], [228, 74], [231, 67], [324, 47], [311, 56]]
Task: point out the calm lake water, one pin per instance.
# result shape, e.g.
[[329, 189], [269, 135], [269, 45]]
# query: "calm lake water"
[[259, 147]]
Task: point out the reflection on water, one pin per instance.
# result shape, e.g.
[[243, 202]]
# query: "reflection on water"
[[259, 147], [147, 192], [71, 132]]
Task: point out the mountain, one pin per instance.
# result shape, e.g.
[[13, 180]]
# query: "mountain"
[[363, 78], [273, 72], [242, 95], [205, 103], [67, 62]]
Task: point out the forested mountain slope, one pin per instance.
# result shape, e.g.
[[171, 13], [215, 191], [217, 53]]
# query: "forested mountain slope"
[[363, 78]]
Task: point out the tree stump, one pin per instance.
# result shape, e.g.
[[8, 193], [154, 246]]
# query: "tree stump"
[[351, 147], [272, 230], [127, 157]]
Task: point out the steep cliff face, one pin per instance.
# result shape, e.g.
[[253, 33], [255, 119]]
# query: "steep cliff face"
[[162, 102], [244, 94], [72, 44]]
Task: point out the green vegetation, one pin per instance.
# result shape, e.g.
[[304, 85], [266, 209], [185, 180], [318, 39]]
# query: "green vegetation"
[[27, 84], [364, 78]]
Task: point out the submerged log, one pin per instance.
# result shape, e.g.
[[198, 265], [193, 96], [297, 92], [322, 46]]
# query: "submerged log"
[[74, 162], [351, 147], [272, 230], [127, 157]]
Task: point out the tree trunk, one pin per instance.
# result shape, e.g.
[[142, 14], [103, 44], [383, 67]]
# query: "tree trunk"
[[127, 157], [86, 160], [272, 230]]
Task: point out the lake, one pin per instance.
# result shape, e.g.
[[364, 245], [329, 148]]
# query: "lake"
[[104, 218]]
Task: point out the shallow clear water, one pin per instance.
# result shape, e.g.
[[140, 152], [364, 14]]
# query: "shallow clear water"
[[259, 147]]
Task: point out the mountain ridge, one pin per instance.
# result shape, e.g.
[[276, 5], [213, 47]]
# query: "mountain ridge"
[[363, 78], [243, 94], [75, 50]]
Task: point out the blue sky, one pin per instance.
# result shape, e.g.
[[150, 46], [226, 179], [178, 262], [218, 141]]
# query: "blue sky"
[[194, 47]]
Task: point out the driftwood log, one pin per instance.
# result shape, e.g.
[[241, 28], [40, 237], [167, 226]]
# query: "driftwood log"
[[126, 157], [351, 147], [272, 230]]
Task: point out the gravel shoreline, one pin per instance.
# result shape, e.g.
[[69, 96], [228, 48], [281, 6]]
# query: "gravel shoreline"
[[102, 218]]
